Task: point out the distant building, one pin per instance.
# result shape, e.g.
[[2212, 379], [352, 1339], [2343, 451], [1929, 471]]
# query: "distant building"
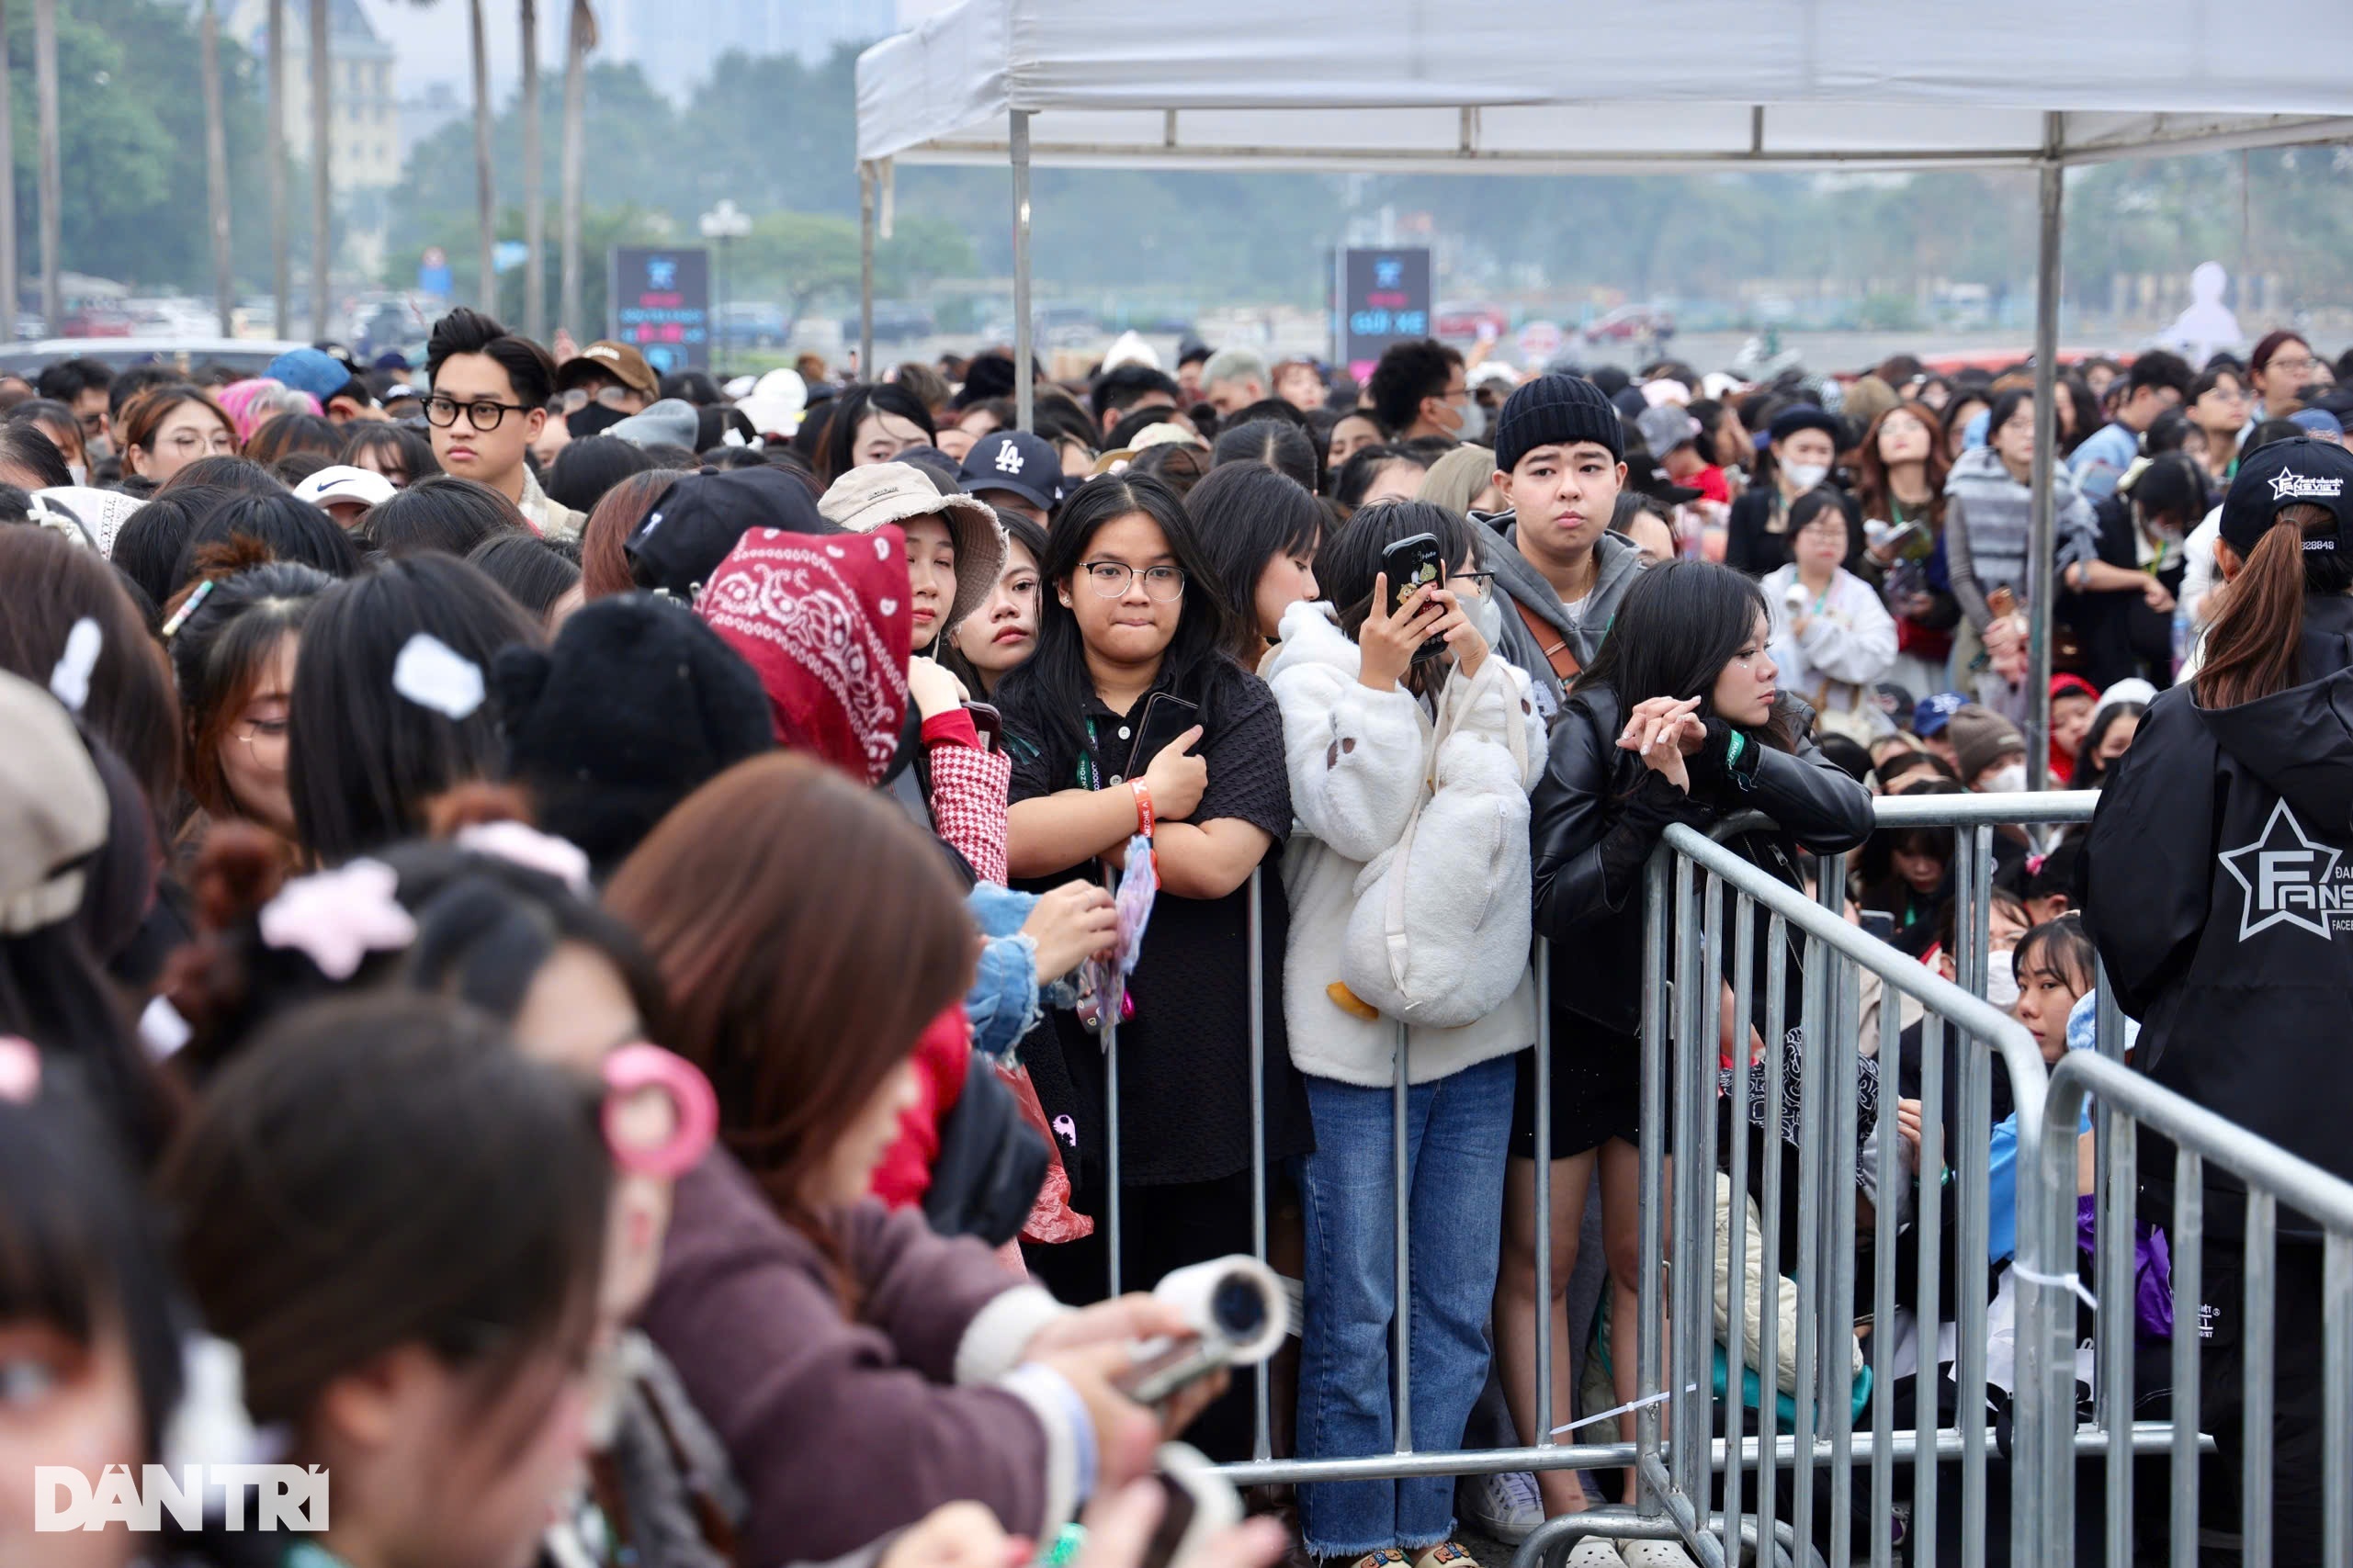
[[363, 121], [427, 112], [649, 34]]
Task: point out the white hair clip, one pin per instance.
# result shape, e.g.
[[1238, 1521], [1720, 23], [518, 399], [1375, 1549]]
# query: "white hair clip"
[[69, 681], [432, 674]]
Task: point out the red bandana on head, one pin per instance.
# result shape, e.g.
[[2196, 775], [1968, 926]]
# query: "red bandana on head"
[[822, 619]]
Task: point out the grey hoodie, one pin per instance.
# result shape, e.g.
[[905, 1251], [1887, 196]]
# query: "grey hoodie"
[[1616, 562]]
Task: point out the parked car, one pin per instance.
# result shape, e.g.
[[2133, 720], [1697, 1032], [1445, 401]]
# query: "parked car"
[[753, 324], [895, 321], [1630, 323], [246, 355], [1469, 322]]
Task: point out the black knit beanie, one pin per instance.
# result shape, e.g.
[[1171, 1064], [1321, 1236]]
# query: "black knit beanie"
[[1554, 411], [636, 705]]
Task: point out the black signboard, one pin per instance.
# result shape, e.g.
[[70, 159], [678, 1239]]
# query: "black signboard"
[[661, 304], [1384, 298]]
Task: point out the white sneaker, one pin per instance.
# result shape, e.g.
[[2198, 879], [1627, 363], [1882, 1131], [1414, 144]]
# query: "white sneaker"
[[1655, 1554], [1595, 1552], [1505, 1507]]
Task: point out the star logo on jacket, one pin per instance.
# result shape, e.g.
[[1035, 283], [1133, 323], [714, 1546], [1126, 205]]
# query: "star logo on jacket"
[[2288, 879], [1008, 458]]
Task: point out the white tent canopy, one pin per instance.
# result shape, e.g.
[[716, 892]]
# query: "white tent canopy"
[[1559, 86]]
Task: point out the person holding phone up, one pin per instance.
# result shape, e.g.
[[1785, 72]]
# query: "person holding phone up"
[[1411, 747], [1133, 623]]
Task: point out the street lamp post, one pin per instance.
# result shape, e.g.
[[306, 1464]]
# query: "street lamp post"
[[725, 224]]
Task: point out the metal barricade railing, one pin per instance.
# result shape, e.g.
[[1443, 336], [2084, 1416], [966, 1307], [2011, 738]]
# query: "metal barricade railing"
[[2271, 1178], [1686, 1436]]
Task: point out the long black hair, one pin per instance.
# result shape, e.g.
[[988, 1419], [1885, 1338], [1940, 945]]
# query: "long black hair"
[[407, 446], [147, 547], [845, 413], [1052, 687], [1680, 623], [362, 759], [218, 654], [1271, 442], [1352, 559], [445, 512], [292, 530], [1247, 514], [485, 928]]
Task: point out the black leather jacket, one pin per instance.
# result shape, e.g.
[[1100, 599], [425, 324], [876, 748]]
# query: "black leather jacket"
[[1598, 813]]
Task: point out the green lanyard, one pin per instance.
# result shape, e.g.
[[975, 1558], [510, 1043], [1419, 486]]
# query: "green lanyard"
[[1089, 775]]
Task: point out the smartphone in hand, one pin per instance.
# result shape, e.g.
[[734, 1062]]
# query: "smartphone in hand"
[[1410, 563], [1165, 718]]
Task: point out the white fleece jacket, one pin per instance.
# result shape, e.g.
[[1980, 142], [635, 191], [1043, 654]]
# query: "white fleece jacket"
[[1360, 761]]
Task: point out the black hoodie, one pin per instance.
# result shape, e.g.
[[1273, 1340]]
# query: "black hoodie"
[[2222, 901]]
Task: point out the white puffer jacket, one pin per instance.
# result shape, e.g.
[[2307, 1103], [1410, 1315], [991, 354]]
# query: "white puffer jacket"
[[1360, 761]]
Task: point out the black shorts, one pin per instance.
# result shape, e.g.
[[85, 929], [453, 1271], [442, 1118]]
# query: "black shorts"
[[1596, 1089]]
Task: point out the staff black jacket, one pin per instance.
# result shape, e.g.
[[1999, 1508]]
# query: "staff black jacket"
[[2221, 901], [1598, 813]]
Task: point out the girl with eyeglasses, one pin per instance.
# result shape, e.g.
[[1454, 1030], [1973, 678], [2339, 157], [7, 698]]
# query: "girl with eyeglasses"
[[1133, 610], [234, 652]]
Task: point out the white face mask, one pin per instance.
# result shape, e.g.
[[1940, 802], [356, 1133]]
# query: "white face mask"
[[1805, 476], [81, 475], [1474, 415], [2001, 980], [2010, 780], [1485, 614]]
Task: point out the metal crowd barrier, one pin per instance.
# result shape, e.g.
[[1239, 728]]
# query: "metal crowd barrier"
[[2272, 1178], [1706, 1478]]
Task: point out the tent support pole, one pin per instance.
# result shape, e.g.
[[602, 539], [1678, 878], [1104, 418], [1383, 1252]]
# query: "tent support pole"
[[1024, 351], [865, 271], [2042, 598]]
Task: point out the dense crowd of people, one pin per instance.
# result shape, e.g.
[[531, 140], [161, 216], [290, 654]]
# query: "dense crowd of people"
[[571, 918]]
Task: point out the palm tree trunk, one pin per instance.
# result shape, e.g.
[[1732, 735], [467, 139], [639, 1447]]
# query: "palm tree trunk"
[[281, 271], [52, 185], [484, 218], [534, 204], [216, 172], [7, 195], [579, 36], [321, 161]]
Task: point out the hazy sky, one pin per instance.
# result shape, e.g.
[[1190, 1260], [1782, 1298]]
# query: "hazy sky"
[[432, 41]]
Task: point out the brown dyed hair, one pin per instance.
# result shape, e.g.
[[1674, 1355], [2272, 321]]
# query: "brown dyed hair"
[[1872, 493], [144, 413], [53, 582], [2254, 647], [808, 934], [604, 565]]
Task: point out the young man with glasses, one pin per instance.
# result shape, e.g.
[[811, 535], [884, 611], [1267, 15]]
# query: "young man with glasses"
[[489, 403]]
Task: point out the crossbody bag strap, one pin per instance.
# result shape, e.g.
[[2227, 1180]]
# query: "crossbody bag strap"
[[1554, 646]]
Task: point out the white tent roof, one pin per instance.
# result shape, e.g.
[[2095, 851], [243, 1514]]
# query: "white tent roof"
[[1565, 86]]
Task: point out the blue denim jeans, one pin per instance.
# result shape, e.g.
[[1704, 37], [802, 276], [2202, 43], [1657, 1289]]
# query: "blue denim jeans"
[[1458, 1133]]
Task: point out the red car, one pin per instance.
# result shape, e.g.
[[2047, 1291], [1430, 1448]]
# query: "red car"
[[1628, 323], [1467, 323], [96, 321]]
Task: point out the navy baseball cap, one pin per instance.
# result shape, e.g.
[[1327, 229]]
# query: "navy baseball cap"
[[1932, 714], [2280, 474], [1014, 460]]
